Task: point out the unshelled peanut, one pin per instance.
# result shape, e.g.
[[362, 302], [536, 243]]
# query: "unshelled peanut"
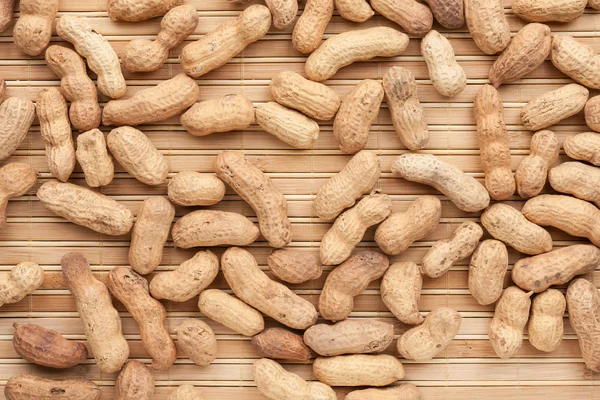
[[280, 344], [21, 281], [197, 341], [576, 178], [592, 113], [533, 169], [26, 387], [92, 154], [583, 302], [584, 146], [15, 180], [189, 188], [413, 16], [545, 328], [578, 60], [287, 125], [401, 291], [139, 10], [448, 13], [448, 77], [33, 29], [294, 266], [358, 370], [487, 271], [135, 382], [510, 317], [549, 10], [552, 107], [310, 27], [231, 312], [228, 113], [16, 117], [487, 24]]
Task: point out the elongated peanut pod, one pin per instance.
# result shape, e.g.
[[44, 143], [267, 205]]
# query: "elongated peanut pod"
[[16, 117], [25, 387], [197, 341], [294, 266], [487, 24], [2, 90], [358, 370], [310, 27], [231, 312], [33, 29], [449, 13], [92, 155], [186, 392], [139, 10], [135, 381], [595, 4], [354, 10], [283, 11], [506, 329], [22, 280], [487, 271], [584, 146], [549, 10], [583, 300], [280, 344], [350, 336], [412, 16], [533, 169], [228, 113], [15, 180], [448, 77], [579, 179], [401, 291], [579, 61], [6, 13], [545, 328], [592, 113], [189, 188], [287, 125]]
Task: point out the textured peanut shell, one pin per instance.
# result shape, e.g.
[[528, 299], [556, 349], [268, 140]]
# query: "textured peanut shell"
[[84, 207], [33, 29], [487, 24], [487, 270], [350, 336], [592, 113], [577, 60], [29, 387], [136, 153], [401, 291], [448, 77], [189, 188], [185, 392], [545, 327], [2, 90], [310, 27], [228, 113], [197, 341], [510, 317], [92, 155], [358, 370], [552, 107], [583, 302], [101, 321], [6, 13], [22, 280], [16, 117], [254, 287], [294, 266], [448, 13], [100, 56], [150, 234], [228, 39], [283, 11], [358, 111], [230, 312], [405, 391], [557, 267], [132, 290], [280, 344], [350, 227], [508, 225], [348, 281], [258, 191], [549, 10], [188, 280], [278, 384], [287, 125], [414, 17], [15, 180], [444, 253], [408, 115], [349, 47], [203, 228], [354, 10], [139, 10], [463, 190], [576, 178], [76, 86], [595, 4], [427, 340], [155, 104], [135, 382], [533, 169], [46, 347], [584, 146]]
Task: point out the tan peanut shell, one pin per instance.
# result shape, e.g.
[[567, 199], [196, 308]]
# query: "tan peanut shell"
[[448, 13], [533, 169], [254, 287], [310, 27], [349, 228], [150, 234], [358, 111], [487, 24], [189, 188], [33, 29], [595, 4], [84, 207], [228, 39], [283, 11], [405, 391], [583, 302], [577, 60], [352, 46], [92, 155], [493, 143], [185, 392], [132, 290], [557, 267], [139, 10], [6, 13], [510, 226], [136, 153], [448, 77], [100, 56], [143, 55], [203, 228], [280, 344], [576, 178], [552, 107], [427, 340], [408, 115], [231, 312], [592, 113], [358, 370], [487, 270], [2, 90], [135, 382], [46, 347], [584, 146], [510, 317], [188, 280], [22, 280], [76, 86], [348, 281], [549, 10], [463, 190], [258, 191], [444, 253], [414, 17], [294, 266], [354, 10], [228, 113], [342, 190], [16, 117], [15, 180], [278, 384], [545, 327], [287, 125], [197, 341], [101, 321], [350, 336], [29, 387], [401, 291]]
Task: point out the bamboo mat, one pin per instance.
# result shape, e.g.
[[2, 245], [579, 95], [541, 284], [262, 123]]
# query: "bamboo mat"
[[467, 369]]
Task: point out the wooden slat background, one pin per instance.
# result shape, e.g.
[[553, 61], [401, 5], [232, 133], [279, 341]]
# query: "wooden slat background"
[[467, 369]]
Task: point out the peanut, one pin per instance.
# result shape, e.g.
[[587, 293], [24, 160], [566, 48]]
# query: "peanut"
[[287, 125], [222, 44], [280, 344], [132, 290], [414, 17], [595, 4], [592, 113], [349, 47], [185, 392], [349, 228], [349, 337], [231, 312], [101, 322], [294, 266], [197, 341], [143, 55], [533, 169], [16, 117], [358, 111], [552, 107], [22, 280], [584, 146], [349, 280], [139, 10], [579, 61], [354, 10], [545, 326], [92, 155], [228, 113], [6, 13], [135, 382], [100, 56], [189, 188], [258, 191], [15, 180], [401, 291], [2, 90], [488, 24], [358, 370], [557, 267], [310, 27], [549, 10], [29, 387], [583, 302], [506, 329], [33, 29], [487, 271], [449, 13], [448, 77], [405, 391], [579, 179], [283, 11]]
